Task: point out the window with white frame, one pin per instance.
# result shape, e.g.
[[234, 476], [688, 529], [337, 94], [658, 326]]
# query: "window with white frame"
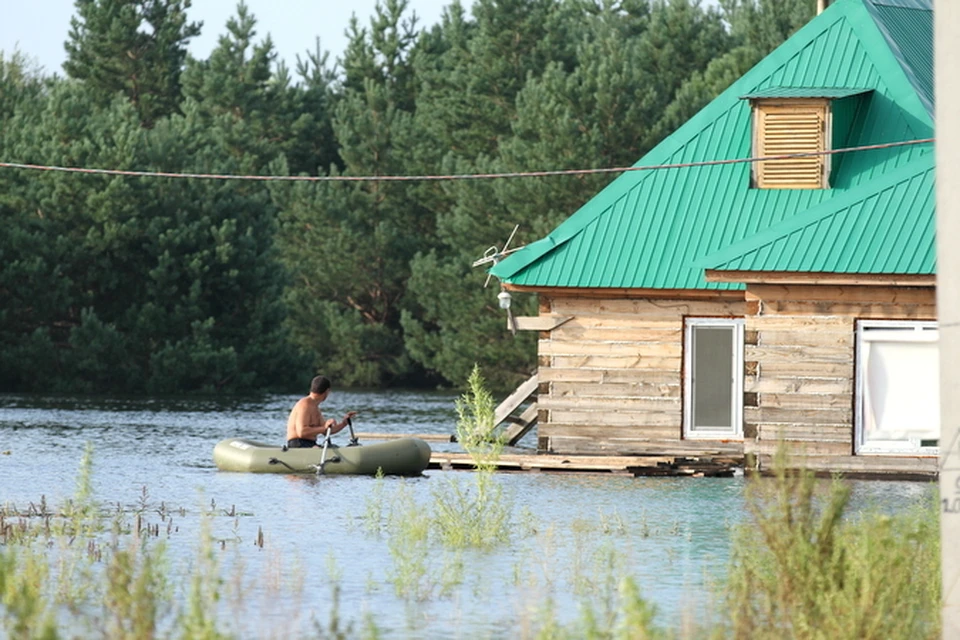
[[713, 378], [898, 387]]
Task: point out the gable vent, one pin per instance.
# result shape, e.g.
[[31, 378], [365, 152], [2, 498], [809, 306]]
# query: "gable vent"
[[786, 127]]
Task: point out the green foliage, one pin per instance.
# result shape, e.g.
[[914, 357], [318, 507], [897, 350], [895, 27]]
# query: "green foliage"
[[133, 47], [475, 516], [199, 620], [137, 591], [475, 414], [135, 285], [801, 569], [27, 613]]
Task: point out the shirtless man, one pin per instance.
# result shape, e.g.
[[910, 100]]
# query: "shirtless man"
[[306, 422]]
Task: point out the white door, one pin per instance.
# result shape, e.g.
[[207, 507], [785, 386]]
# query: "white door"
[[713, 378]]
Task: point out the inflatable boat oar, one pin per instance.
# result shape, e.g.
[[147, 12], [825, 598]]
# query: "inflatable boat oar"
[[323, 455], [353, 438]]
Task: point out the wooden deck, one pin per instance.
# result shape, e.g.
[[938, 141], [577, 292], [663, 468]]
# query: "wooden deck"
[[617, 465], [715, 462]]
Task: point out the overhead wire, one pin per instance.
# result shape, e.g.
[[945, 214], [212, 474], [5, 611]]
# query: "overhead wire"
[[450, 177]]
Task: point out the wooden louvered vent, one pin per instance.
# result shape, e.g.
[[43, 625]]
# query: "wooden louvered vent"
[[788, 127]]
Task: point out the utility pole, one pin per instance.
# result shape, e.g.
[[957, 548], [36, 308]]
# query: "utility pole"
[[947, 122]]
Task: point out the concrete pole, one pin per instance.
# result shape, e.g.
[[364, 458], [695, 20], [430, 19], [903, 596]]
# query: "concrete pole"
[[947, 62]]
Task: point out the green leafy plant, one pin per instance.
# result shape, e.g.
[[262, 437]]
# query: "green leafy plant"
[[800, 569]]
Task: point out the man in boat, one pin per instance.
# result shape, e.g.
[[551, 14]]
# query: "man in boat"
[[306, 422]]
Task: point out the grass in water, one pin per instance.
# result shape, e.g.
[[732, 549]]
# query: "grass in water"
[[474, 515], [803, 567]]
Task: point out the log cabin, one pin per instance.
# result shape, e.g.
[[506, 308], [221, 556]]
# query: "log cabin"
[[717, 304]]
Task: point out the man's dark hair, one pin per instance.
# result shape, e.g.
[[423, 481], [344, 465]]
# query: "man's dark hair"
[[319, 384]]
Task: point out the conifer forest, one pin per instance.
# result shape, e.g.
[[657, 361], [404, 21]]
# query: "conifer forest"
[[164, 285]]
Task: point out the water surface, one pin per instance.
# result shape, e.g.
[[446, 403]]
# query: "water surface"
[[571, 533]]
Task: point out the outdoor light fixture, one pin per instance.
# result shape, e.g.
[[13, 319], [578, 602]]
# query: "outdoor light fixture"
[[504, 299]]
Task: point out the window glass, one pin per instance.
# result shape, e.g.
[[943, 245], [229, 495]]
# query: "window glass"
[[899, 389]]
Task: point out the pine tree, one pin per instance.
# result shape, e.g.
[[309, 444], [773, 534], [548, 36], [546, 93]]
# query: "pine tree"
[[348, 245], [134, 47]]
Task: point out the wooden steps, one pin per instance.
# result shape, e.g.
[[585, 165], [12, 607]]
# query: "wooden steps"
[[522, 424]]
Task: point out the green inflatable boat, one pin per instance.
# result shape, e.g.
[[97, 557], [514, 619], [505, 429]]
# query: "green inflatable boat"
[[401, 457]]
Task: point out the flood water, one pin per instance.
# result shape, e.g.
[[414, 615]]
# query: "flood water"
[[569, 533]]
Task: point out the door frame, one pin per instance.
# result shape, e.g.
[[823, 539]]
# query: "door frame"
[[736, 389]]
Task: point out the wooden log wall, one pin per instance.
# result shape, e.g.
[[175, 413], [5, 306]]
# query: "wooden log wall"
[[611, 378], [799, 357]]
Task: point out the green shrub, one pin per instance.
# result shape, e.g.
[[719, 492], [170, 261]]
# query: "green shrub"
[[800, 569]]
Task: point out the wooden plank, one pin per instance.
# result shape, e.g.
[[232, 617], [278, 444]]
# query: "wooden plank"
[[630, 349], [618, 419], [799, 385], [592, 321], [611, 376], [618, 334], [868, 295], [614, 389], [880, 465], [824, 416], [863, 311], [515, 399], [804, 369], [612, 362], [767, 354], [796, 323], [810, 337], [523, 425], [805, 400], [643, 446], [794, 447], [633, 432], [588, 463], [540, 323], [775, 433], [659, 308], [611, 404]]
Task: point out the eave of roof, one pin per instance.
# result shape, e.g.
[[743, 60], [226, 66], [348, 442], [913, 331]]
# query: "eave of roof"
[[832, 93]]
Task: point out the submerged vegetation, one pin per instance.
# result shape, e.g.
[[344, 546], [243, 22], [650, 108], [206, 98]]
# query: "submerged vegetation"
[[805, 565]]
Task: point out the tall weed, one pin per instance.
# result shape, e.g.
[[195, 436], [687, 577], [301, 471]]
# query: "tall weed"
[[800, 569], [474, 516]]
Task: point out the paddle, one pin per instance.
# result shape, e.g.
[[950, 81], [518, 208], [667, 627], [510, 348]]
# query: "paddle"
[[353, 438], [323, 454]]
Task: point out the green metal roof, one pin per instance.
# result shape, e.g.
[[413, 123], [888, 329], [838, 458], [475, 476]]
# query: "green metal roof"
[[805, 92], [649, 229], [882, 227], [907, 26]]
